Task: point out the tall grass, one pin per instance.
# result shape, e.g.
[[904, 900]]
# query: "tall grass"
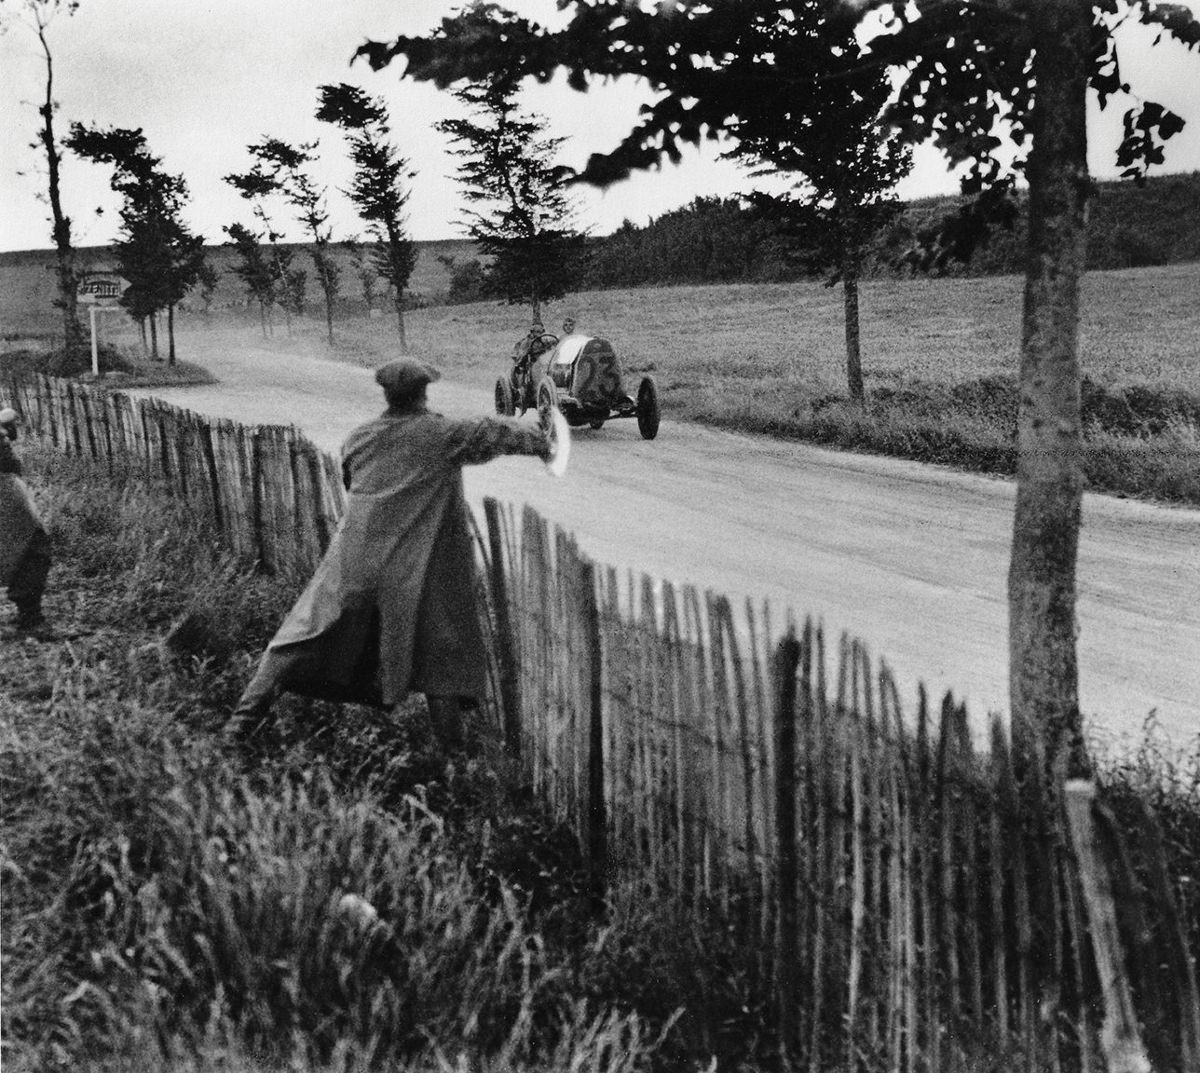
[[345, 901]]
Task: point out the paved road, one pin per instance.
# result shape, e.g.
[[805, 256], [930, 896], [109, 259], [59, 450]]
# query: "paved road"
[[911, 558]]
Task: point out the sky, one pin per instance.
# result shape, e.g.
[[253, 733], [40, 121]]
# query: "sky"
[[206, 78]]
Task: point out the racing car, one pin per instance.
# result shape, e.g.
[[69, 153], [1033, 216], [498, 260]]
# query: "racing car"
[[583, 380]]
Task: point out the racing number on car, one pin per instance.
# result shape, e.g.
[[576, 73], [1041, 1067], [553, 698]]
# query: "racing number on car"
[[597, 381]]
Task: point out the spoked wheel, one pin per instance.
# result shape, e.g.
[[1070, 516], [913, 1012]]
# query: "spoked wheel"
[[647, 409], [547, 401], [504, 397]]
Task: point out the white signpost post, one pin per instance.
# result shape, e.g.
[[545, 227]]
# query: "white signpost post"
[[100, 291]]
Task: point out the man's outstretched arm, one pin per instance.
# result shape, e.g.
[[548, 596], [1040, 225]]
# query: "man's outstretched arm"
[[481, 439]]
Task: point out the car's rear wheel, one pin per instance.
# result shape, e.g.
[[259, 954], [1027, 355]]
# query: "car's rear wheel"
[[647, 409], [597, 424], [504, 398], [547, 401]]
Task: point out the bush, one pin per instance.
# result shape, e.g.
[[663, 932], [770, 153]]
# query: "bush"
[[65, 362], [1137, 440], [468, 281]]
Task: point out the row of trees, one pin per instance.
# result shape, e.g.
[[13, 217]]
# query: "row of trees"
[[843, 164], [523, 222], [520, 215]]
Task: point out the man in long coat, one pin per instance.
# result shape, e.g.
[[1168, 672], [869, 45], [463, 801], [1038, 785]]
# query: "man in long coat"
[[24, 545], [391, 608]]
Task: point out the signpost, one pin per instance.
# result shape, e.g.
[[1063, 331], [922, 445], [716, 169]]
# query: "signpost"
[[100, 291]]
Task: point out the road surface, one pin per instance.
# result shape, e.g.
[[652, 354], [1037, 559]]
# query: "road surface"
[[912, 558]]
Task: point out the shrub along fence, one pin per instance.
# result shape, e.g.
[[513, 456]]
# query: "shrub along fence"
[[907, 901]]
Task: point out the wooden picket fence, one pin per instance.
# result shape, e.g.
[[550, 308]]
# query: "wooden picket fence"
[[904, 898], [270, 494], [907, 900]]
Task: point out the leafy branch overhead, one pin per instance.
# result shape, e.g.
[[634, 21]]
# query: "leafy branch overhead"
[[966, 70]]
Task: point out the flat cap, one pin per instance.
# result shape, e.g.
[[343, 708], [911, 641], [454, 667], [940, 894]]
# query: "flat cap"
[[404, 377]]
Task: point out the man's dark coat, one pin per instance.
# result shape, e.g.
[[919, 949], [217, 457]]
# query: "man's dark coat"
[[391, 608]]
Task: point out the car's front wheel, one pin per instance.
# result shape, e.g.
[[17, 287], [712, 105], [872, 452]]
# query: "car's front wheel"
[[547, 401], [647, 409], [504, 397]]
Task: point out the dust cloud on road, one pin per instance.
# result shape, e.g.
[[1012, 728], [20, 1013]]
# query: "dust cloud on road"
[[909, 557]]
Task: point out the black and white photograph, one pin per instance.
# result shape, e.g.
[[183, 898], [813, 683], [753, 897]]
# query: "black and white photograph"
[[600, 536]]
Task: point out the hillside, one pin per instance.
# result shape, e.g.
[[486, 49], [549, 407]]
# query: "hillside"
[[1129, 226], [719, 240]]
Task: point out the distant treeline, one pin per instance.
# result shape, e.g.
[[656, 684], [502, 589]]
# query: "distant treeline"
[[720, 240], [712, 240]]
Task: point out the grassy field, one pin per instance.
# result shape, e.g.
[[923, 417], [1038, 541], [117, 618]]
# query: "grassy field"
[[940, 361]]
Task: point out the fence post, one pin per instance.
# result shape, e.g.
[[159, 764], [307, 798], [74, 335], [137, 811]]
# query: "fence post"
[[510, 692], [1119, 1037], [258, 505], [787, 661], [597, 816], [1149, 835]]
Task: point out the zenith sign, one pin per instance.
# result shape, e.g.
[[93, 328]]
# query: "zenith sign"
[[106, 287]]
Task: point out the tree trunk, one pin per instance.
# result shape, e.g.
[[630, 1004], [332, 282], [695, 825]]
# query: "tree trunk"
[[68, 279], [142, 331], [153, 336], [854, 377], [171, 334], [1043, 673], [284, 281], [328, 314], [399, 304]]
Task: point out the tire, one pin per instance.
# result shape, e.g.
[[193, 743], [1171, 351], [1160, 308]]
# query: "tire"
[[647, 409], [598, 424], [504, 398], [547, 401]]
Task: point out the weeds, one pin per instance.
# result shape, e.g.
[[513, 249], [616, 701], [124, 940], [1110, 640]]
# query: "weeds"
[[348, 901]]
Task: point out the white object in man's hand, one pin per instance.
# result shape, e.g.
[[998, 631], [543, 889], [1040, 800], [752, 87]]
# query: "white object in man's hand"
[[559, 435]]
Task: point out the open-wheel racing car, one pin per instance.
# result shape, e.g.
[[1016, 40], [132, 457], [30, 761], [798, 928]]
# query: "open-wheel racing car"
[[583, 380]]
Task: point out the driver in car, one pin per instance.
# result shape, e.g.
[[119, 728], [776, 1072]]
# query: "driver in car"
[[533, 346], [525, 356]]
